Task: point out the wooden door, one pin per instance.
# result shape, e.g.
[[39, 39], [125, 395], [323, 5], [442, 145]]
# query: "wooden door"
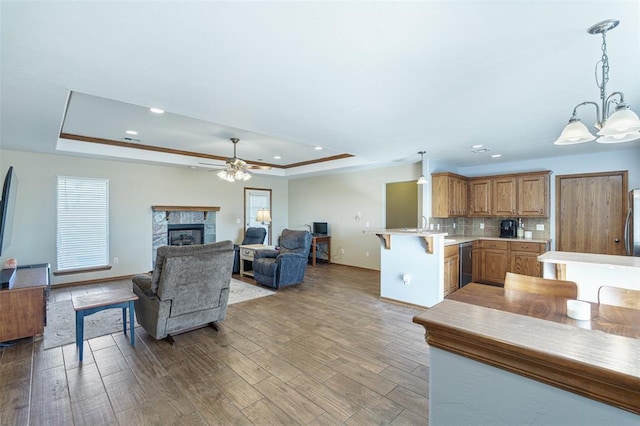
[[590, 211], [494, 265]]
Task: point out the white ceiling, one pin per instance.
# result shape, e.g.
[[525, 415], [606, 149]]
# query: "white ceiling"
[[378, 80]]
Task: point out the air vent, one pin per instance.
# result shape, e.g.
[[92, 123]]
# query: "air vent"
[[479, 150], [130, 139]]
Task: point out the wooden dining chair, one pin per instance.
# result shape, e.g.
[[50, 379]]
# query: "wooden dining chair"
[[542, 286], [617, 296]]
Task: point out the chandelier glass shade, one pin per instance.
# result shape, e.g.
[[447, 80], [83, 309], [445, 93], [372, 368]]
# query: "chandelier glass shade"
[[623, 125]]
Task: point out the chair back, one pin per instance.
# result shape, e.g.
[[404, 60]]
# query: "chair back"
[[295, 242], [254, 235], [193, 275], [542, 286], [617, 296]]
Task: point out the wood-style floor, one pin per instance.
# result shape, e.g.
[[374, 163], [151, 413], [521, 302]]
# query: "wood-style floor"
[[324, 352]]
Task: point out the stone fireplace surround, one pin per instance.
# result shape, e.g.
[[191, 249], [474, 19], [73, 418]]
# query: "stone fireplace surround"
[[162, 216]]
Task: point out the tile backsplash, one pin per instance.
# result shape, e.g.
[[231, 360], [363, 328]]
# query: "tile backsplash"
[[471, 226]]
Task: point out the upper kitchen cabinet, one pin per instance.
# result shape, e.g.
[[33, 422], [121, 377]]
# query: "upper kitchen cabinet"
[[533, 194], [449, 195], [505, 197], [480, 197]]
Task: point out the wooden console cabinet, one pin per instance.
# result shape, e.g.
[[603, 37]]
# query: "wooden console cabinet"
[[23, 307]]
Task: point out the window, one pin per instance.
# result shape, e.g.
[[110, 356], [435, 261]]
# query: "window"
[[83, 222]]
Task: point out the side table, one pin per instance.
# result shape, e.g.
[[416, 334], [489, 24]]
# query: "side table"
[[85, 305], [246, 254]]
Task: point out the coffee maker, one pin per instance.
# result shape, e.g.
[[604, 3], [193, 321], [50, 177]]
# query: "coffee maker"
[[508, 228]]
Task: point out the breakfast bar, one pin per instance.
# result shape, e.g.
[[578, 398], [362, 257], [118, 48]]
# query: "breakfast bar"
[[591, 271], [411, 265], [506, 357]]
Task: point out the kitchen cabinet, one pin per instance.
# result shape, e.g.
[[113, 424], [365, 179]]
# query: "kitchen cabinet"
[[475, 262], [523, 257], [451, 268], [513, 195], [480, 197], [494, 261], [504, 189], [533, 195], [449, 195]]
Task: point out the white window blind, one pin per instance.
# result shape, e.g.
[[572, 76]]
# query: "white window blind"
[[83, 222]]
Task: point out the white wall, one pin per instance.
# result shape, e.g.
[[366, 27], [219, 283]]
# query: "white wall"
[[337, 199], [133, 189]]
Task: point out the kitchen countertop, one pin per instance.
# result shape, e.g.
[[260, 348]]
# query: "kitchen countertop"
[[459, 239], [563, 257]]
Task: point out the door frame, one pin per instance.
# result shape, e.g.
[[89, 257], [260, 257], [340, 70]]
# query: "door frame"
[[246, 216]]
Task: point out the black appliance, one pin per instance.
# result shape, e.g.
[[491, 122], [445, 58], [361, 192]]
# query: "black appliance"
[[465, 264], [508, 228]]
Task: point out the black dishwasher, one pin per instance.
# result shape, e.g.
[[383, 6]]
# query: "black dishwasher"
[[465, 264]]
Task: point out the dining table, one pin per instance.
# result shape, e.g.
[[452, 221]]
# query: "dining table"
[[531, 335]]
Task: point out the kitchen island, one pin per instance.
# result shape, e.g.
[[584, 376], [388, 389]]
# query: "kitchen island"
[[411, 265], [506, 357], [590, 271]]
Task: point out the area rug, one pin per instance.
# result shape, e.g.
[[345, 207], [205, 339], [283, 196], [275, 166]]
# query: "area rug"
[[61, 324]]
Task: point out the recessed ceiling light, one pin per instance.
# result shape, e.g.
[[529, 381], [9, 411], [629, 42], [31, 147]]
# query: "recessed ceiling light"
[[496, 155], [276, 157], [477, 146], [476, 151], [156, 110], [318, 148], [131, 132]]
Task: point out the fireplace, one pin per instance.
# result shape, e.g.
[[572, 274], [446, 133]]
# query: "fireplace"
[[185, 234]]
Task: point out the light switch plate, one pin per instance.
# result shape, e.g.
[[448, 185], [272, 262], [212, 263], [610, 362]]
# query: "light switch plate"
[[482, 226], [540, 227]]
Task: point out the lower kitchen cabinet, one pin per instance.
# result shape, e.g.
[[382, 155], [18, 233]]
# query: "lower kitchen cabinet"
[[451, 268], [493, 259], [523, 257]]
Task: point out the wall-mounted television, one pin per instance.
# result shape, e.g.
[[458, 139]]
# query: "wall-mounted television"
[[7, 206], [320, 228]]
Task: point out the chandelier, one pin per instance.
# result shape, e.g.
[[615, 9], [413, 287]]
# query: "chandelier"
[[623, 125]]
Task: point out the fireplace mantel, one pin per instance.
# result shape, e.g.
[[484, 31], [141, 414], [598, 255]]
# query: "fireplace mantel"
[[169, 209]]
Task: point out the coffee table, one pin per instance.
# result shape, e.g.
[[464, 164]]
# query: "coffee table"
[[88, 304]]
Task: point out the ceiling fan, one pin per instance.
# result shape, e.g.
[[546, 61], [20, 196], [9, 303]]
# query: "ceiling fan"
[[236, 168]]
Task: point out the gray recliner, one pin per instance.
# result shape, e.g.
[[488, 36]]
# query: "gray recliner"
[[286, 266], [188, 288], [253, 235]]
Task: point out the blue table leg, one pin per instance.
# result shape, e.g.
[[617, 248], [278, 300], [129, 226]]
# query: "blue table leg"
[[80, 332], [124, 320], [133, 335]]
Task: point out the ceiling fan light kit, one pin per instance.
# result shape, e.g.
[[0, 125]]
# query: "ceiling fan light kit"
[[623, 125], [237, 169]]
